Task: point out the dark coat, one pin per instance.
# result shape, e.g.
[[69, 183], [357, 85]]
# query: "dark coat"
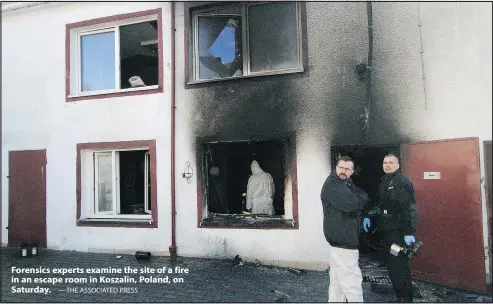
[[397, 204], [342, 203]]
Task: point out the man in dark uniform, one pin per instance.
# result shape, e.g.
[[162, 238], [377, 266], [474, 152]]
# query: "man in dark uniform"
[[397, 220]]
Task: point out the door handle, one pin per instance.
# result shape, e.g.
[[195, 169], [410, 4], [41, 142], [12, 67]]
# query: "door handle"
[[7, 227]]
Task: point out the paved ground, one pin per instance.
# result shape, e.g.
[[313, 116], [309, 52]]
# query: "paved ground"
[[207, 281]]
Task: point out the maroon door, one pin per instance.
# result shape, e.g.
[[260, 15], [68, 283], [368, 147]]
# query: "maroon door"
[[27, 197], [446, 179]]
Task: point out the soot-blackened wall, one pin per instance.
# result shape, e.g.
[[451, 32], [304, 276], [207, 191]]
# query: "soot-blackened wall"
[[326, 99]]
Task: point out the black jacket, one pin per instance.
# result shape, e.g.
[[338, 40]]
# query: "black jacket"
[[397, 204], [342, 203]]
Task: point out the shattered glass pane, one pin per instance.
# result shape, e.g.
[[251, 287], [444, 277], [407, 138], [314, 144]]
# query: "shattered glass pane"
[[219, 47]]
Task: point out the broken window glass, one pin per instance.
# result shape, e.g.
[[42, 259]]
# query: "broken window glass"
[[139, 54], [97, 61], [219, 46], [273, 38]]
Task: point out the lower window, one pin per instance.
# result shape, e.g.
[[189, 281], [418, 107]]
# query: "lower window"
[[232, 193], [117, 182]]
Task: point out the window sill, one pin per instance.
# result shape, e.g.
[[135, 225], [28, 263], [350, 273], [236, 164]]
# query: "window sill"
[[115, 93], [116, 222], [85, 94], [258, 74], [247, 221]]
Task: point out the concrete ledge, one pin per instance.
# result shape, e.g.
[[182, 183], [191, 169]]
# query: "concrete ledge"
[[99, 250], [132, 252], [128, 251]]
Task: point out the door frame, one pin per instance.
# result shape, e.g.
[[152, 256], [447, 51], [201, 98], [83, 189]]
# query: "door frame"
[[487, 227]]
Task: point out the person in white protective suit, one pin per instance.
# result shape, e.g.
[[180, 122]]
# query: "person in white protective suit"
[[260, 191]]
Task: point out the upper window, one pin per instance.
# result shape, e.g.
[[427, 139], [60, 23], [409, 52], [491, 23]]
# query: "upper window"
[[115, 56], [246, 40]]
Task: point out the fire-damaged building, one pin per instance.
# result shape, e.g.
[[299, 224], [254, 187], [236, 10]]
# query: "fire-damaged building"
[[133, 126]]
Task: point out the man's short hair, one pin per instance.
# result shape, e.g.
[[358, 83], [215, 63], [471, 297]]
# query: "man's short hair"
[[392, 155], [346, 159]]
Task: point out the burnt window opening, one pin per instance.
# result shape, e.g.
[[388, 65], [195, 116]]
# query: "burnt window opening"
[[228, 168], [122, 183], [367, 164]]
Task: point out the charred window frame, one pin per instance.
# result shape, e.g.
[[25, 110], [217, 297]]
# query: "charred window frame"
[[222, 196], [245, 40]]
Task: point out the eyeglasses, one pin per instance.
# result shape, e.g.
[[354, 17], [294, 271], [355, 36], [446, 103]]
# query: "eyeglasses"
[[345, 169]]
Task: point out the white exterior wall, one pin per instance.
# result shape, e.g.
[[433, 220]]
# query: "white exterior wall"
[[456, 44], [36, 116]]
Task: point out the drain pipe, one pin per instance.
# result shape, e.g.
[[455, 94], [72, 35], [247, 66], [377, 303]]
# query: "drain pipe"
[[172, 248], [366, 115]]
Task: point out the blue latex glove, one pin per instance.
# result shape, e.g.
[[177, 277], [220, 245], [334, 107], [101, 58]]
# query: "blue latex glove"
[[408, 239], [366, 224]]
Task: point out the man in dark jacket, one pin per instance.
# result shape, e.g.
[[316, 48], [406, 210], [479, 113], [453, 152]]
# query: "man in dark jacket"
[[397, 220], [342, 203]]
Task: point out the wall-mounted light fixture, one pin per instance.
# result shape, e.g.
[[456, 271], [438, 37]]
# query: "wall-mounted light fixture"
[[188, 173]]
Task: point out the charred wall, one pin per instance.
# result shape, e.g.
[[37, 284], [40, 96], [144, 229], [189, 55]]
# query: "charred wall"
[[325, 100]]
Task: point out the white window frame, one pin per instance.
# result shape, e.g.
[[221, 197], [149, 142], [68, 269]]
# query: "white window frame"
[[75, 55], [92, 207], [147, 183], [245, 47], [95, 208]]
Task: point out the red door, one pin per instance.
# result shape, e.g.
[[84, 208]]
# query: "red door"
[[27, 197], [446, 178]]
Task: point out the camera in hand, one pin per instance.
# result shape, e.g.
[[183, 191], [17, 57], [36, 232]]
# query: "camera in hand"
[[408, 250]]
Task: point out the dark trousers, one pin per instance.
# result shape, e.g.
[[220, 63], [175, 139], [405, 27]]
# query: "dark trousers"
[[398, 266]]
